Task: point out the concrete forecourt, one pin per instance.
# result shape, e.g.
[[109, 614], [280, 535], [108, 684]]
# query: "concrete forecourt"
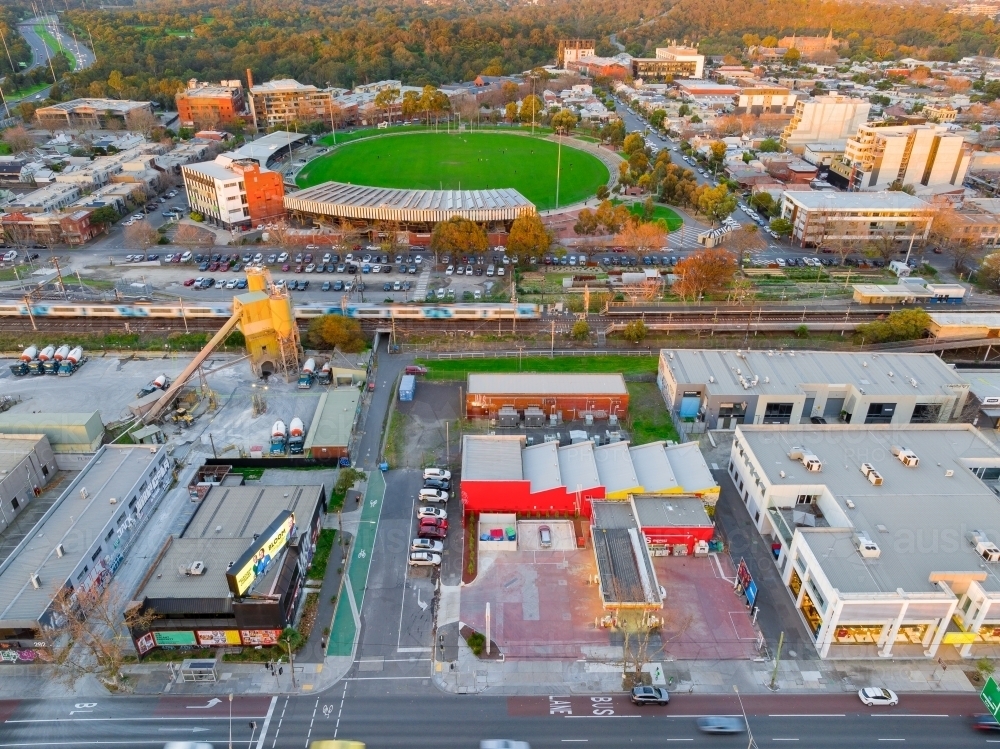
[[468, 161]]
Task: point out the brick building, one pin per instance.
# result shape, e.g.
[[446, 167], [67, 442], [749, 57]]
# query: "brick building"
[[234, 192], [212, 105]]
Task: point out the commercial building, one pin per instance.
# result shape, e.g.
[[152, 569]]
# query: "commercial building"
[[884, 536], [669, 63], [964, 325], [675, 525], [81, 540], [823, 119], [878, 156], [725, 389], [333, 424], [625, 574], [281, 102], [92, 114], [234, 575], [908, 291], [572, 396], [67, 433], [27, 464], [819, 217], [601, 67], [759, 99], [212, 105], [234, 193], [501, 474]]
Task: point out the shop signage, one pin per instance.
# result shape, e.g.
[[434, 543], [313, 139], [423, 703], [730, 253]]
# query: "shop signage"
[[218, 637], [184, 637], [254, 562], [260, 636], [145, 643]]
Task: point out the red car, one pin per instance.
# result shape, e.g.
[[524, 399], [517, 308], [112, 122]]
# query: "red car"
[[285, 267], [432, 531], [189, 282], [213, 266], [176, 258], [414, 369], [434, 522], [298, 268], [224, 267]]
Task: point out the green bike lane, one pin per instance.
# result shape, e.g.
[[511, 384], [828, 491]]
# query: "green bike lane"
[[347, 617]]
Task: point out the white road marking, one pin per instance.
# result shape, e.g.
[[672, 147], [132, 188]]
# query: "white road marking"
[[807, 715], [267, 722], [343, 696], [571, 741], [602, 716], [784, 739], [907, 715], [143, 718], [892, 739]]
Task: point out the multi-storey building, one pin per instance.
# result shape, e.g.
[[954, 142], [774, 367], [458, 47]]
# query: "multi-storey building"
[[91, 113], [280, 102], [211, 105], [919, 155], [761, 99], [571, 50], [824, 119], [670, 62], [234, 192], [821, 217]]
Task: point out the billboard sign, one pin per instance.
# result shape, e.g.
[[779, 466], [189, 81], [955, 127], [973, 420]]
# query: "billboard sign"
[[256, 560], [183, 637], [253, 637]]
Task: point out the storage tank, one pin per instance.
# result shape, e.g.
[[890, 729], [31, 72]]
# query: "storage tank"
[[75, 355], [160, 382], [296, 428], [62, 352], [309, 367], [47, 353], [278, 430], [281, 315], [29, 353]]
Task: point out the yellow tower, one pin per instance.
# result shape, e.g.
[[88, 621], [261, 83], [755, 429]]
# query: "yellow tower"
[[268, 324]]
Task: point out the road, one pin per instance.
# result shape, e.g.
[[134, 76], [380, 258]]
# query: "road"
[[40, 50], [361, 708]]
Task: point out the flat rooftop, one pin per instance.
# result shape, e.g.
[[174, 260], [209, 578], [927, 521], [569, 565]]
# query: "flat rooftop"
[[983, 384], [74, 522], [623, 563], [969, 319], [780, 372], [165, 580], [857, 201], [333, 421], [13, 450], [919, 516], [264, 147], [491, 458], [671, 512], [547, 384], [241, 511]]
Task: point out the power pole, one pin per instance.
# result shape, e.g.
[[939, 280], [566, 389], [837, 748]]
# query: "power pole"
[[777, 660]]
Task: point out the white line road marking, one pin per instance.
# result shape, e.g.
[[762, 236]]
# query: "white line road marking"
[[410, 650], [571, 741], [680, 739], [602, 716], [77, 742], [892, 739], [267, 722], [143, 718], [907, 715], [280, 719], [187, 730], [211, 703], [343, 696], [807, 715], [386, 678], [784, 739]]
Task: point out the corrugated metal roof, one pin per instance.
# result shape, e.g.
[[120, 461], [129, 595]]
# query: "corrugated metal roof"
[[333, 421], [14, 450], [614, 466], [689, 467], [81, 429], [671, 512], [540, 465], [491, 458], [241, 511], [652, 467], [623, 563], [547, 384], [578, 467]]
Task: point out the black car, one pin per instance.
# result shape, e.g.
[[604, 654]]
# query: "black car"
[[387, 286], [650, 695], [325, 286], [291, 285], [442, 484], [338, 285], [817, 420], [303, 285]]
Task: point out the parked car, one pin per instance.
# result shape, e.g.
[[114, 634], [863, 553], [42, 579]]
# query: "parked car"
[[649, 696], [429, 473], [431, 528], [544, 536], [432, 512], [442, 484], [426, 544], [424, 558], [189, 282], [872, 696], [432, 495]]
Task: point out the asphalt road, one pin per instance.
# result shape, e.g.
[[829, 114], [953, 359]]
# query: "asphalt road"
[[415, 715], [84, 56]]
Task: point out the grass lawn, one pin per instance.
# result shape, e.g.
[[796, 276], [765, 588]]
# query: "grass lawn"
[[650, 420], [474, 161], [674, 222], [457, 369]]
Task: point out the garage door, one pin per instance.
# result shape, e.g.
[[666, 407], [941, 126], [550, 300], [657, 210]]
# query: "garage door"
[[690, 403], [833, 408]]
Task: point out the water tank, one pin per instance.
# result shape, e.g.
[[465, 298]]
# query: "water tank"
[[29, 353], [75, 355], [47, 353], [296, 429], [62, 352], [278, 430], [309, 367], [160, 382]]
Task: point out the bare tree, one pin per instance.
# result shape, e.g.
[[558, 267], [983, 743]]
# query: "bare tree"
[[93, 633], [190, 236], [18, 139], [141, 236], [143, 121], [637, 631]]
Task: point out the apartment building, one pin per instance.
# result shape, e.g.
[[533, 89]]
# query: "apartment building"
[[758, 99], [234, 192], [211, 105], [670, 62], [571, 50], [280, 102], [819, 217], [91, 113], [823, 119], [925, 155]]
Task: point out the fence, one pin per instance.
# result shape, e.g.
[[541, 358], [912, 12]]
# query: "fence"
[[508, 354]]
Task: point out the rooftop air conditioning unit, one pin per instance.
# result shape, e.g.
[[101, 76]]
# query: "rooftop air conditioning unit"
[[812, 463], [796, 453], [976, 537], [988, 551], [36, 581], [866, 547], [112, 501], [906, 456], [197, 568]]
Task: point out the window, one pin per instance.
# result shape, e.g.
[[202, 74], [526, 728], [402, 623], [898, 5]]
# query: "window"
[[82, 573], [880, 413], [121, 519], [131, 505], [45, 470], [110, 534], [14, 503], [778, 413], [807, 499], [93, 557], [925, 413]]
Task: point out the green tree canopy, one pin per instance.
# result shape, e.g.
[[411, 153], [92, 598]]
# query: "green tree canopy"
[[901, 325]]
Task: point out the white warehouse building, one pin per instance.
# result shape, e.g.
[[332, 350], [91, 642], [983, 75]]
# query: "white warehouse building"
[[885, 537]]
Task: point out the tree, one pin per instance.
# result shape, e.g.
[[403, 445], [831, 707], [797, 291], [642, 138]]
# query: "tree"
[[901, 325], [347, 478], [781, 226], [704, 272], [335, 331], [143, 121], [770, 145], [581, 330], [140, 236], [658, 117], [882, 246], [635, 331], [116, 82], [530, 108], [718, 151], [792, 57], [18, 139], [603, 192], [745, 239], [386, 99], [989, 271], [510, 112], [683, 110], [633, 143], [528, 235], [769, 41], [716, 202], [563, 121], [612, 217], [641, 237], [104, 216], [190, 236], [509, 91], [458, 234], [92, 632], [586, 222]]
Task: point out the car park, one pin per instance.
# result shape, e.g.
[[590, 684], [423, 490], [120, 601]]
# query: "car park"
[[435, 513], [872, 696], [649, 696], [424, 558]]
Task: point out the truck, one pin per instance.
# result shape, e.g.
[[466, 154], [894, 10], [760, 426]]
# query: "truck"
[[71, 362], [407, 385], [296, 437], [20, 369], [160, 383], [50, 366], [325, 374], [279, 436], [307, 374]]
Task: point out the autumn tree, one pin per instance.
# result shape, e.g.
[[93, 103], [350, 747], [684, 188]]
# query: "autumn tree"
[[335, 331], [882, 246], [586, 222], [641, 237], [530, 108], [92, 632], [509, 91], [563, 121], [528, 235], [989, 271], [612, 217], [704, 272], [716, 202], [581, 330], [18, 139], [633, 143], [458, 234]]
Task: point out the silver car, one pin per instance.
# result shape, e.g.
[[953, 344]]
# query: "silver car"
[[424, 558]]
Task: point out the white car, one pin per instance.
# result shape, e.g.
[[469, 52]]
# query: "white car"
[[312, 247], [424, 559], [198, 282], [433, 495], [167, 258], [220, 283], [431, 512], [259, 257], [460, 270], [450, 270], [138, 217], [326, 257], [437, 473], [186, 256], [310, 268], [283, 257], [426, 544], [877, 696]]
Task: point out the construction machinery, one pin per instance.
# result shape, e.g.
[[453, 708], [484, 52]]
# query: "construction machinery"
[[279, 437], [296, 437], [307, 374], [182, 417]]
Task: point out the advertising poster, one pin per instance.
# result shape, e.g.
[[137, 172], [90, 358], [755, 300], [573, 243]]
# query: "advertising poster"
[[184, 637], [145, 643], [218, 637], [256, 560], [263, 637]]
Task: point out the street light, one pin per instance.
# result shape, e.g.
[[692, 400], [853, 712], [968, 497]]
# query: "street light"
[[230, 720], [746, 722]]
